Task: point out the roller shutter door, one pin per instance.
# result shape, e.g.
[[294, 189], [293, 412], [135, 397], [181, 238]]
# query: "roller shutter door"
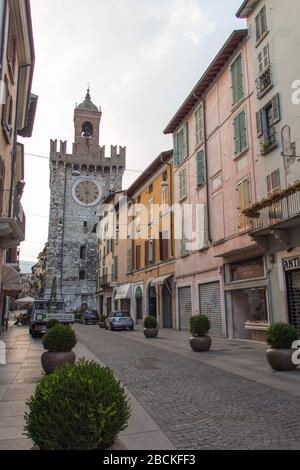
[[185, 307], [210, 305]]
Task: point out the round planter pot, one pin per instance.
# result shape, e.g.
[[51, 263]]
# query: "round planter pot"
[[54, 360], [102, 324], [200, 343], [151, 332], [281, 359]]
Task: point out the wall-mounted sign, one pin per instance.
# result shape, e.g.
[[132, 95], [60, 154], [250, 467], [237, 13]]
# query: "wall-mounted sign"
[[291, 264]]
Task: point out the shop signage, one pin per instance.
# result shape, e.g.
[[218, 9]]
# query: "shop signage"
[[291, 264], [250, 269]]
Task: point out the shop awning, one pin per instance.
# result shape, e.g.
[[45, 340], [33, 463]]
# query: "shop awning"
[[161, 280], [124, 292], [11, 281]]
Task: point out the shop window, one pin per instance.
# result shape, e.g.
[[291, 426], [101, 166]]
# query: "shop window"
[[249, 308]]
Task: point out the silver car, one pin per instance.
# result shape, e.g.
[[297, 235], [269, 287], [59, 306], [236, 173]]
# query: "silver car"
[[119, 320]]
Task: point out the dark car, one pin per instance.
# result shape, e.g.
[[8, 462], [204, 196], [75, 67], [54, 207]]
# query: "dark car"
[[91, 316], [119, 320]]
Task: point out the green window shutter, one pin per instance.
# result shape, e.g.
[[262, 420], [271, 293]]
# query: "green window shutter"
[[237, 138], [176, 151], [259, 123], [243, 131], [234, 83], [276, 109], [185, 141], [200, 168], [240, 78]]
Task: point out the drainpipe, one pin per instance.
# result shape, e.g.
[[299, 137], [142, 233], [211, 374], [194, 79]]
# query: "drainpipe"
[[3, 38], [171, 197], [15, 141]]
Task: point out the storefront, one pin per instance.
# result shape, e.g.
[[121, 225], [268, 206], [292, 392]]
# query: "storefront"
[[291, 268], [123, 295], [184, 307], [164, 288], [246, 293]]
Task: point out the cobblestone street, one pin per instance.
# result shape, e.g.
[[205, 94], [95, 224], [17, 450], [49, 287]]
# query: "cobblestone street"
[[198, 406]]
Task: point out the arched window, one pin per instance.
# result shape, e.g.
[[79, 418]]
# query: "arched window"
[[87, 130]]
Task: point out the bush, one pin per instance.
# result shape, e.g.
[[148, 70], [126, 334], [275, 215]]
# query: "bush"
[[81, 407], [281, 336], [200, 325], [52, 323], [150, 323], [102, 318], [60, 338]]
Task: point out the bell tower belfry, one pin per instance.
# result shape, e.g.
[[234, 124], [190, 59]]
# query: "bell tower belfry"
[[79, 182]]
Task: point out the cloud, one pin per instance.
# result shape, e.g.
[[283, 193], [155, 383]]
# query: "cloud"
[[183, 19]]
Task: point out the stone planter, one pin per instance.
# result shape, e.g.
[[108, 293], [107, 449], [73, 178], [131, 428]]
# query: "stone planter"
[[54, 360], [151, 332], [200, 343], [281, 359], [102, 324]]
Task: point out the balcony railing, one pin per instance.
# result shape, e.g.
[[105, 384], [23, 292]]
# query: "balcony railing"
[[12, 216], [278, 212], [264, 82]]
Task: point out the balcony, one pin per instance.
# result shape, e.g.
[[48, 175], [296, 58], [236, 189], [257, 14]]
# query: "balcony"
[[12, 220], [264, 82], [268, 142], [281, 212]]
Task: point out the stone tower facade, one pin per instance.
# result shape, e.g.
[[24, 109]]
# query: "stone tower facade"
[[79, 181]]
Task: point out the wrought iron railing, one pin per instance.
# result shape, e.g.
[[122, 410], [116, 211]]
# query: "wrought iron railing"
[[264, 81], [11, 208], [277, 212]]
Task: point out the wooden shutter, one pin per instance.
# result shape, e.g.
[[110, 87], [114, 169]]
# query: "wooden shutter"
[[185, 141], [129, 261], [237, 138], [234, 82], [200, 168], [176, 150], [240, 78], [243, 130], [276, 109], [244, 202], [259, 123]]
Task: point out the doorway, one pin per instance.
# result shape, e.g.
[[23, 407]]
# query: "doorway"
[[152, 302], [167, 306]]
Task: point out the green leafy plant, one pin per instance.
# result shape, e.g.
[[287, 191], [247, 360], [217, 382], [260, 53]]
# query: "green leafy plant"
[[102, 318], [52, 323], [81, 407], [150, 323], [60, 338], [200, 325], [281, 335]]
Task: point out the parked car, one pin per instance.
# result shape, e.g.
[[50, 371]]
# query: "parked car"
[[90, 316], [119, 320]]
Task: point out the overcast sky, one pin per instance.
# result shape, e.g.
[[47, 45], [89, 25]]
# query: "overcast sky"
[[141, 58]]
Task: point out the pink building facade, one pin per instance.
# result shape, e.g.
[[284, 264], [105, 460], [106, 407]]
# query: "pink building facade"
[[216, 172]]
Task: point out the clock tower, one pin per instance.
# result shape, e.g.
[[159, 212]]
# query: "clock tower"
[[78, 183]]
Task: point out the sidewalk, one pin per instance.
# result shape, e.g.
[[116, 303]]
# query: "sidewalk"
[[18, 381]]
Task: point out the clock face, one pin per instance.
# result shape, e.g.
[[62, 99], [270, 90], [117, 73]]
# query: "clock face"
[[87, 192]]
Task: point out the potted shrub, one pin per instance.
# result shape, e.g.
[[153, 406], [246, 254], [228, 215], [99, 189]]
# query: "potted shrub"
[[200, 326], [80, 407], [102, 320], [281, 337], [150, 327], [59, 342]]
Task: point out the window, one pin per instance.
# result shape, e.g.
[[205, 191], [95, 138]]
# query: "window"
[[165, 199], [83, 252], [264, 81], [273, 183], [82, 275], [244, 201], [85, 224], [183, 184], [164, 245], [11, 48], [200, 168], [129, 261], [151, 210], [184, 240], [261, 24], [116, 268], [240, 133], [237, 80], [149, 252], [266, 119], [181, 145], [151, 189], [199, 126], [7, 111], [138, 257], [87, 130]]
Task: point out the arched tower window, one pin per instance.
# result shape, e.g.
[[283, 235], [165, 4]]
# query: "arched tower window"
[[87, 130]]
